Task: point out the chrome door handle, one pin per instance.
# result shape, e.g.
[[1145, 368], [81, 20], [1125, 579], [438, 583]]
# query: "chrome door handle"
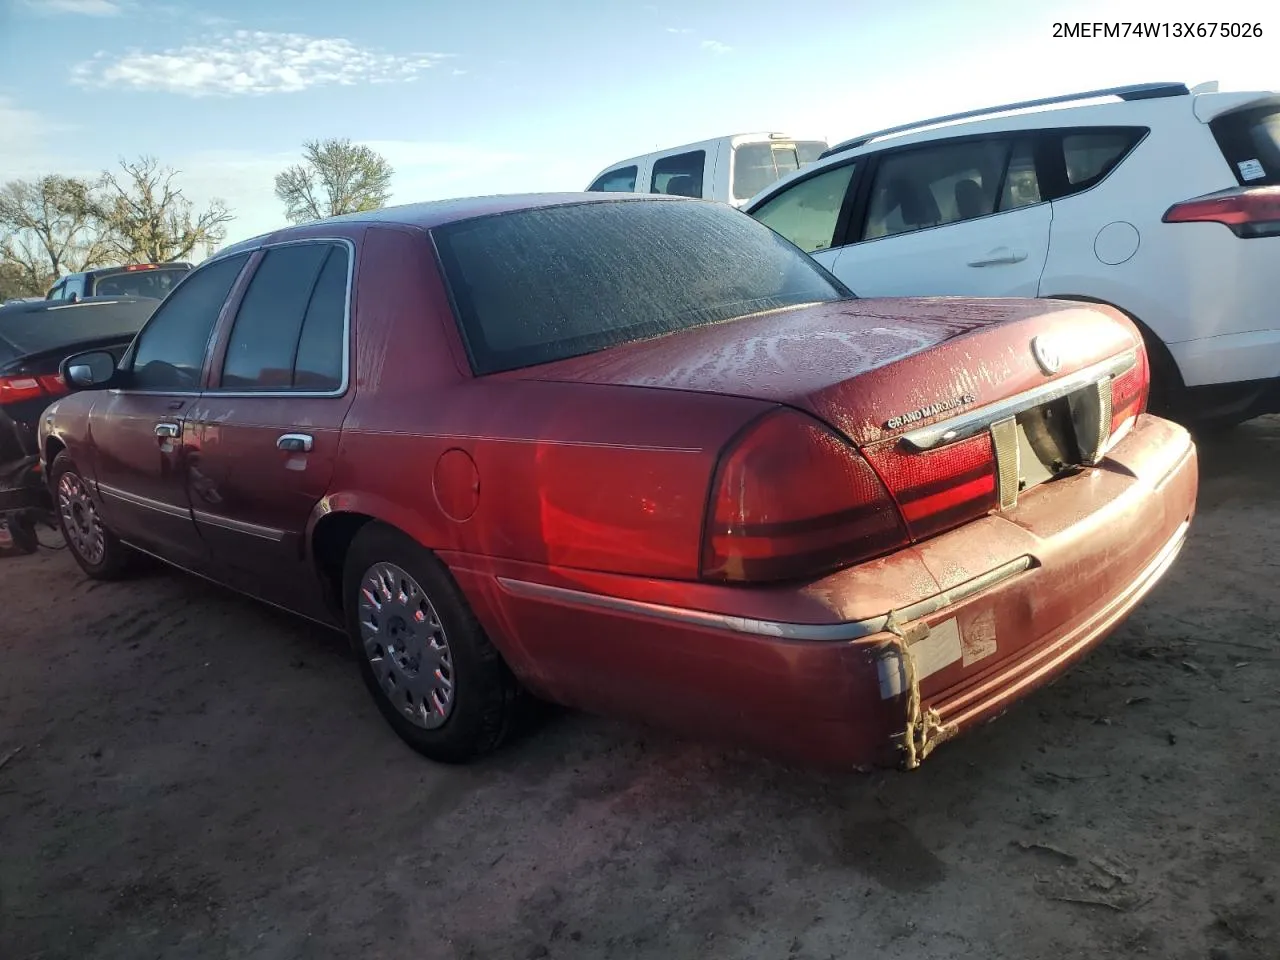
[[998, 256], [168, 431], [294, 443]]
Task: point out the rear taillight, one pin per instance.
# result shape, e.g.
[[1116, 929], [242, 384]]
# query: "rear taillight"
[[18, 389], [1246, 211], [790, 500], [1129, 394], [939, 489]]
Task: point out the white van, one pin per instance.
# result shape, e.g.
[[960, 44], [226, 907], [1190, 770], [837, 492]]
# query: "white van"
[[730, 169]]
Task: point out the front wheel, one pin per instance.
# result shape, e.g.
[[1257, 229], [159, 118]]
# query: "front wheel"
[[436, 677], [100, 554]]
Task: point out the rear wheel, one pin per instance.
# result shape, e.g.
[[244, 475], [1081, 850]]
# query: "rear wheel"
[[100, 554], [434, 674]]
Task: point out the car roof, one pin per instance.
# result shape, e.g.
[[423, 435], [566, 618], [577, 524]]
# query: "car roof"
[[27, 328], [431, 214]]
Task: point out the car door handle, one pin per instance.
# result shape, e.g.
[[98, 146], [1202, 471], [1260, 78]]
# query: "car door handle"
[[168, 431], [998, 256], [294, 443]]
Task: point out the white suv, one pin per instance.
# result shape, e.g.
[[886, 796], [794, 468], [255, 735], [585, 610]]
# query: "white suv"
[[1160, 200]]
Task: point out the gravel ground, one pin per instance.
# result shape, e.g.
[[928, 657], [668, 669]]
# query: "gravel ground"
[[199, 776]]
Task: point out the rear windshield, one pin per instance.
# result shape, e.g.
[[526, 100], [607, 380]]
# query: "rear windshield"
[[26, 332], [1250, 140], [553, 282], [756, 165], [139, 283]]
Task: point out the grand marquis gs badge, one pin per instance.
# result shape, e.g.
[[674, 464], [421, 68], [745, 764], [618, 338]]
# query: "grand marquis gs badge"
[[932, 410]]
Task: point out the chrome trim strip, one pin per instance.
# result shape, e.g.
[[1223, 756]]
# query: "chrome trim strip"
[[238, 526], [971, 424], [300, 394], [146, 503], [849, 630]]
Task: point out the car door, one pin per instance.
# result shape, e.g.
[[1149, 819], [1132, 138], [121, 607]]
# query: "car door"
[[265, 432], [138, 428], [956, 218]]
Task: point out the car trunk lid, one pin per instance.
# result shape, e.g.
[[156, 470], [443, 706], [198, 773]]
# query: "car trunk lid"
[[957, 403]]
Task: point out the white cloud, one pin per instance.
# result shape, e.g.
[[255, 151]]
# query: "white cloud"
[[679, 30], [253, 62], [715, 46], [87, 8]]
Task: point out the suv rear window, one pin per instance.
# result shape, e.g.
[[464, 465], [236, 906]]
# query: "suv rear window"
[[1250, 141], [554, 282]]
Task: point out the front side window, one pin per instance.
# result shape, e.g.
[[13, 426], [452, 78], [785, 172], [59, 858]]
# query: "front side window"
[[169, 353], [806, 213], [58, 291], [937, 185], [548, 283], [622, 180], [679, 176]]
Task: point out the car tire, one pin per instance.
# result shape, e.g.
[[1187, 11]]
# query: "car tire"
[[98, 551], [432, 670]]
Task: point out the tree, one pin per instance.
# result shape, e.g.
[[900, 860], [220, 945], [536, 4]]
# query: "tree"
[[48, 227], [335, 177], [149, 220]]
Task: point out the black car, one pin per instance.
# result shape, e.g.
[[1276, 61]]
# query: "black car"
[[153, 280], [34, 340]]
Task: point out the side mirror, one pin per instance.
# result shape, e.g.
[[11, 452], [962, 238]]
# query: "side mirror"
[[88, 371]]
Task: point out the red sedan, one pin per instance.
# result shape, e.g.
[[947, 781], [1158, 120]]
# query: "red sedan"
[[636, 455]]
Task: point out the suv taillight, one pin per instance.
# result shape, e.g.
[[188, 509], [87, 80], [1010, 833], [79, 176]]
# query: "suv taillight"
[[17, 389], [1246, 211], [790, 499], [1129, 394]]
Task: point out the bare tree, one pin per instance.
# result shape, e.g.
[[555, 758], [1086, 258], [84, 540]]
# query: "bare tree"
[[335, 177], [149, 219], [50, 226]]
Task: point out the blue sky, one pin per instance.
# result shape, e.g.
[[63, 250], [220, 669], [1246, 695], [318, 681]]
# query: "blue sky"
[[518, 95]]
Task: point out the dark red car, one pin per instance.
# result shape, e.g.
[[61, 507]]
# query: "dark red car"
[[636, 455]]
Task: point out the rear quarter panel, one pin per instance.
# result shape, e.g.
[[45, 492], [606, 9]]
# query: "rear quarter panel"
[[597, 477]]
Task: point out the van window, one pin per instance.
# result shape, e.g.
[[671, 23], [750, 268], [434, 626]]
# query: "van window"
[[622, 180], [806, 213], [756, 165], [1250, 142], [680, 175]]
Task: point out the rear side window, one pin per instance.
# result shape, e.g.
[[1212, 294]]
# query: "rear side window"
[[284, 297], [547, 283], [1021, 181], [679, 176], [806, 213], [169, 353], [622, 180], [1090, 156], [1250, 142], [936, 185]]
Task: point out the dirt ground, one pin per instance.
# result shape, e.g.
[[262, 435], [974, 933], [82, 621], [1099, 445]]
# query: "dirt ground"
[[200, 776]]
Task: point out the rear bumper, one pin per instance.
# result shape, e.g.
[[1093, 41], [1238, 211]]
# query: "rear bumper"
[[876, 664]]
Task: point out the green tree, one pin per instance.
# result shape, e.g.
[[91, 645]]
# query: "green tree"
[[147, 217], [48, 227], [335, 177]]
